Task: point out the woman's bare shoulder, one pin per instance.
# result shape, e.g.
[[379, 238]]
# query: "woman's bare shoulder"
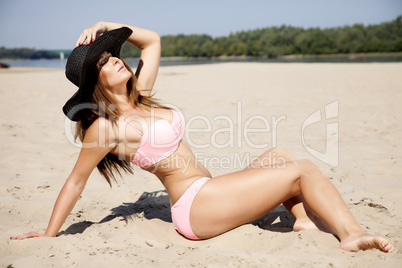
[[101, 130]]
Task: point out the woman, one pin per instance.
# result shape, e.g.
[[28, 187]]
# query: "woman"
[[119, 122]]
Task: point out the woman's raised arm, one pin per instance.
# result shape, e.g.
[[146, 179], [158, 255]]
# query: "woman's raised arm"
[[98, 141], [146, 40]]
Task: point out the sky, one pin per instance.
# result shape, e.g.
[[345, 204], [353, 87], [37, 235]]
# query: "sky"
[[56, 24]]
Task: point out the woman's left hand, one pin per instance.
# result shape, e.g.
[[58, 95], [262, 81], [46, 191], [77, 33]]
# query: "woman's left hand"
[[28, 235], [91, 33]]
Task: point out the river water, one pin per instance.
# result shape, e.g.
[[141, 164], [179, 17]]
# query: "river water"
[[60, 64]]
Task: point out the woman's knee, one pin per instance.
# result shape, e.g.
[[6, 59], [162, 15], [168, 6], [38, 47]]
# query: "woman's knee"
[[293, 177], [279, 154], [274, 156], [307, 167]]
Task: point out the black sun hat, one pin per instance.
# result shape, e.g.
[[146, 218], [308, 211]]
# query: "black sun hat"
[[80, 67]]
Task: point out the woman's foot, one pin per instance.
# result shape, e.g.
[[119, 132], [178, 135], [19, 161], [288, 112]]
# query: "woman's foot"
[[312, 223], [366, 241]]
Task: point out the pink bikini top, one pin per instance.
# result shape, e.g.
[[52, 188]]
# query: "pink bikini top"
[[159, 141]]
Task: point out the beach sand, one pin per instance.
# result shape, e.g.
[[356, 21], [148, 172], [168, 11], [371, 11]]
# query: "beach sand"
[[130, 225]]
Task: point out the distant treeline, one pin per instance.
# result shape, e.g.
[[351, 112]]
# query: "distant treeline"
[[26, 53], [285, 40], [266, 42]]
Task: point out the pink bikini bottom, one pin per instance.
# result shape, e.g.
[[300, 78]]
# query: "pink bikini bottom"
[[181, 209]]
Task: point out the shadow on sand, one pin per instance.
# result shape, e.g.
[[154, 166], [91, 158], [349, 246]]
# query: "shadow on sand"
[[156, 205], [277, 220]]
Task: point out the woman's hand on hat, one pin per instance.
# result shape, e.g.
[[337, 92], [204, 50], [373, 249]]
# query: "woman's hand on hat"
[[90, 34], [27, 235]]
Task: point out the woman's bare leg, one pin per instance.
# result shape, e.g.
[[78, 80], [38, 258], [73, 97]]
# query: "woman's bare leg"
[[231, 200], [326, 202], [305, 219]]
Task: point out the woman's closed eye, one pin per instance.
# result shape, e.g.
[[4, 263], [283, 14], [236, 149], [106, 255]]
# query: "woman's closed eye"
[[103, 60]]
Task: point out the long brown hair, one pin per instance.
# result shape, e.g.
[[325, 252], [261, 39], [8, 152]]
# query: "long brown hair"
[[108, 108]]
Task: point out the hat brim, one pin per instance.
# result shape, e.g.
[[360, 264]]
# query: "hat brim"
[[110, 41]]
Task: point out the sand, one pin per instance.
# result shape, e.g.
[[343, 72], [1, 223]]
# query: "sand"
[[130, 225]]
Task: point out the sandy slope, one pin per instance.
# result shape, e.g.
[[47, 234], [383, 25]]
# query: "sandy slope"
[[130, 225]]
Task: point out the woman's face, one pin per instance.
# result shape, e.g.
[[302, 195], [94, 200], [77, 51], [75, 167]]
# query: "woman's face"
[[113, 75]]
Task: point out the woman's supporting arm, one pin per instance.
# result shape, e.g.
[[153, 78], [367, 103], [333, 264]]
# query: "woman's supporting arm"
[[65, 203], [98, 142]]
